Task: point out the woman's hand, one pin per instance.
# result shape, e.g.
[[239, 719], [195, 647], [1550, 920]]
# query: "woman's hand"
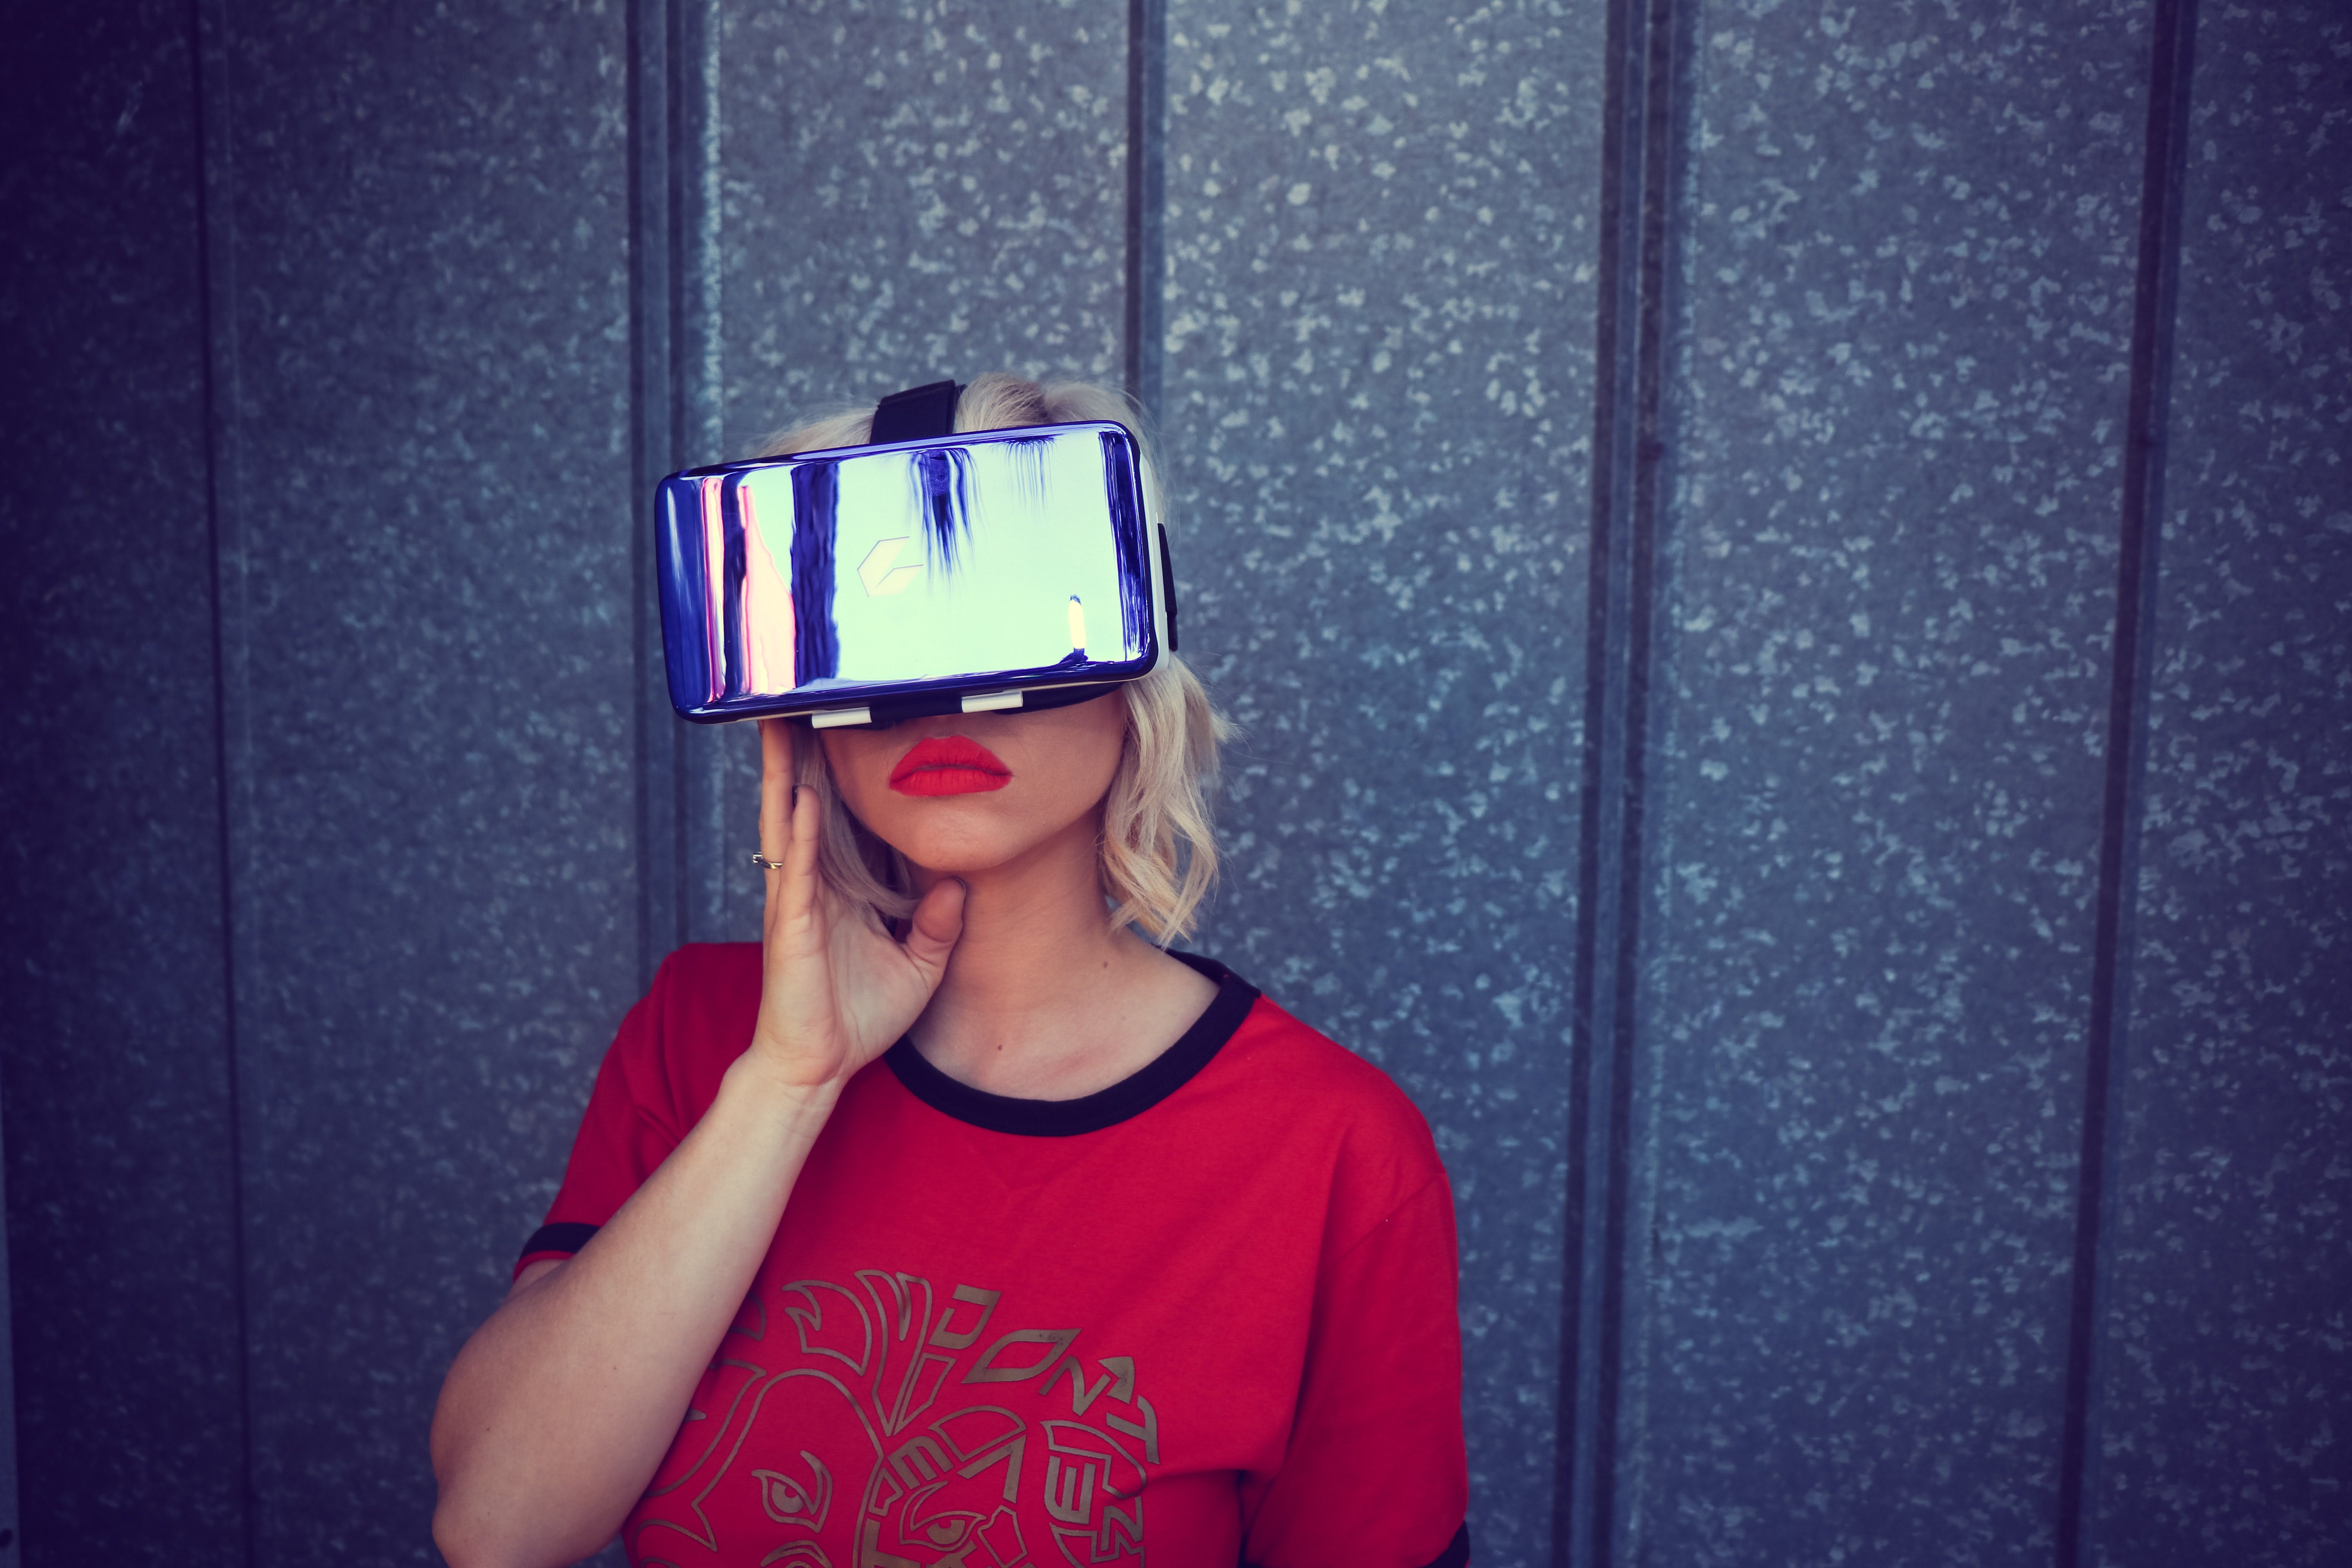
[[560, 1408], [836, 989]]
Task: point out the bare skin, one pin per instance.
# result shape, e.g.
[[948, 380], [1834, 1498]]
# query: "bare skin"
[[1043, 1000], [558, 1409]]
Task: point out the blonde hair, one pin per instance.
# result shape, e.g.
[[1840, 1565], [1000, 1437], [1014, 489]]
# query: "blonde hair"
[[1158, 852]]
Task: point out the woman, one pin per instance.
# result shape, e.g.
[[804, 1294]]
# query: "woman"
[[956, 1223]]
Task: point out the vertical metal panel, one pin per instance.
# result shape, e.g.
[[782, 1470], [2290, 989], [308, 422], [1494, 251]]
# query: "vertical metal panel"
[[1145, 329], [1906, 249], [905, 191], [2227, 1384], [656, 383], [2171, 53], [718, 899], [951, 202], [433, 841], [1876, 781], [1377, 390], [1643, 108], [113, 1020], [11, 1526]]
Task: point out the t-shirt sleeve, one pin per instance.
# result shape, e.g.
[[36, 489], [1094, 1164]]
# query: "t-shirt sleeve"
[[628, 1130], [1376, 1474]]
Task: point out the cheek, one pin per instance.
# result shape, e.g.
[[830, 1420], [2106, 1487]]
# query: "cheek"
[[860, 763], [1101, 763], [1083, 753]]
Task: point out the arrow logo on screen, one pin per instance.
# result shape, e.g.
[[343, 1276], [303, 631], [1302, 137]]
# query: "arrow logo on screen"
[[880, 577]]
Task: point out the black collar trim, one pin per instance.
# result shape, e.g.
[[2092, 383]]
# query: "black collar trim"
[[1130, 1097]]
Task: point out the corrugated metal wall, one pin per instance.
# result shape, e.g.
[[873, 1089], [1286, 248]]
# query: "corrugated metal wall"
[[1684, 498]]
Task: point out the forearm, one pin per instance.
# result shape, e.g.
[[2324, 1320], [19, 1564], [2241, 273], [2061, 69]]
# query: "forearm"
[[560, 1408]]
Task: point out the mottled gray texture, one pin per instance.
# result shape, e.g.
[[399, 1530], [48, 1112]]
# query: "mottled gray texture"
[[2228, 1378], [1881, 693], [429, 710], [121, 1218], [907, 192], [952, 200], [1378, 410], [1881, 698]]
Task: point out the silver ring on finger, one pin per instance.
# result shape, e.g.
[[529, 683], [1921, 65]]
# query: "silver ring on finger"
[[765, 864]]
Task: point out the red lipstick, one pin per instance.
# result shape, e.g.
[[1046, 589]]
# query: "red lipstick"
[[949, 765]]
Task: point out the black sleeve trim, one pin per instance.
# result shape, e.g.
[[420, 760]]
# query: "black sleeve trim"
[[1456, 1555], [569, 1236], [1457, 1550]]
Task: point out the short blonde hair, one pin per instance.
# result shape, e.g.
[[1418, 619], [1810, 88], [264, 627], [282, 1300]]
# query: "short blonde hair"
[[1158, 852]]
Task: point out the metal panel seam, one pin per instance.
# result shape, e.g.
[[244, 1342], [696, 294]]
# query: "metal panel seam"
[[697, 408], [675, 167], [1573, 1426], [217, 307], [653, 401], [1147, 255], [1664, 101], [1639, 120], [2171, 53]]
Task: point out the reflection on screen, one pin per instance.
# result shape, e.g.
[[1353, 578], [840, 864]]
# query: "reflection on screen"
[[992, 557]]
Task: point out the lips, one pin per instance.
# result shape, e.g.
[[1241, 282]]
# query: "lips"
[[949, 765]]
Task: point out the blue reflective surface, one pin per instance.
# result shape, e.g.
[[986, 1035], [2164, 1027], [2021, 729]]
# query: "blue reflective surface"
[[975, 563]]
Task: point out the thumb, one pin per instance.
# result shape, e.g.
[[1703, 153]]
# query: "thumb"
[[938, 921]]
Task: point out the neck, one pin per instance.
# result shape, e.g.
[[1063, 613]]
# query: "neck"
[[1041, 996], [1034, 931]]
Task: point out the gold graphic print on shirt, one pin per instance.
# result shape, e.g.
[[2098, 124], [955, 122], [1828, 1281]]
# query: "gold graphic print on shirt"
[[984, 1446]]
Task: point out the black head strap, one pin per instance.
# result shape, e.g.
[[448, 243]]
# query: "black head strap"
[[917, 414]]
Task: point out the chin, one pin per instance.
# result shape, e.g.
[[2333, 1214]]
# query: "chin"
[[961, 844], [959, 855]]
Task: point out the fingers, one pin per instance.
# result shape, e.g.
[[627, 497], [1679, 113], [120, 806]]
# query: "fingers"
[[775, 788], [938, 921], [799, 890]]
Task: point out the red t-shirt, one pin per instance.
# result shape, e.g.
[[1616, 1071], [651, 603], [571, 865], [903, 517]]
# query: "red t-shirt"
[[1205, 1316]]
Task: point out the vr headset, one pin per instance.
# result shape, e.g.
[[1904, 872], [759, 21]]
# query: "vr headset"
[[923, 573]]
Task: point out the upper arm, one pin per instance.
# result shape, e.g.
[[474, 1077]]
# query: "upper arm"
[[630, 1125], [531, 1273]]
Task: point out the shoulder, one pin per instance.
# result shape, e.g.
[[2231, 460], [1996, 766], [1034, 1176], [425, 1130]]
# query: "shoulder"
[[1319, 1103], [702, 964], [704, 981], [1306, 1065], [661, 1074], [696, 1018], [1269, 1038]]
